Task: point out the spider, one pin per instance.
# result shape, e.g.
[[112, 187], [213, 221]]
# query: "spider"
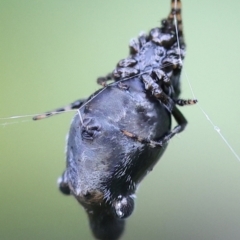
[[120, 132]]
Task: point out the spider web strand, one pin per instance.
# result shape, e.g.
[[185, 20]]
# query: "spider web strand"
[[215, 127]]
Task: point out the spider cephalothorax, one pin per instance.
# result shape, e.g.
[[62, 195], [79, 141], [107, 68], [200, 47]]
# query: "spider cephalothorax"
[[156, 58]]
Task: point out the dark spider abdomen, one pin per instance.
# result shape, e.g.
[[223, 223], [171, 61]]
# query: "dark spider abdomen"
[[100, 154], [104, 166]]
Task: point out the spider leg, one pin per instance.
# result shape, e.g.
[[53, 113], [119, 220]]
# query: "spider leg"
[[182, 122], [152, 143], [162, 76], [125, 68], [176, 9], [150, 84], [103, 80], [164, 79], [75, 105], [183, 102], [142, 140]]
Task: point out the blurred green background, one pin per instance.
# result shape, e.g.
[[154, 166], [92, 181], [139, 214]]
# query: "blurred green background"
[[51, 53]]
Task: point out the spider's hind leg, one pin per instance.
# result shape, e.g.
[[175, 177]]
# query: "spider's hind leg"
[[75, 105], [181, 121]]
